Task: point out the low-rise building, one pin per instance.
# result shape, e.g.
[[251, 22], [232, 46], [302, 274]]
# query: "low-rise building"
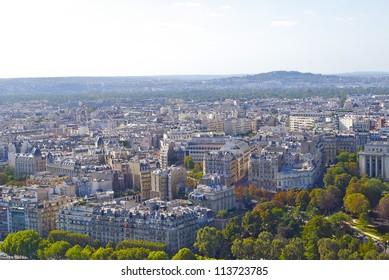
[[374, 160], [215, 197]]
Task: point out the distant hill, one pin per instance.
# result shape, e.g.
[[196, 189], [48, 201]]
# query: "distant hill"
[[183, 84]]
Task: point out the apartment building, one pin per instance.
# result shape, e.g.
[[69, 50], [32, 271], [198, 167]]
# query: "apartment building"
[[304, 121], [27, 164], [139, 175], [157, 221], [199, 146], [231, 161], [165, 183]]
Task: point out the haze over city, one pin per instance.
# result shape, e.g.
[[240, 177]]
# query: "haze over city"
[[136, 38]]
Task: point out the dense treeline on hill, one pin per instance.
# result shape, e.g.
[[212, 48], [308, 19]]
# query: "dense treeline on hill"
[[277, 84], [203, 94]]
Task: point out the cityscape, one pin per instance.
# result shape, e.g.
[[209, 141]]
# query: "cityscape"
[[242, 132], [105, 176]]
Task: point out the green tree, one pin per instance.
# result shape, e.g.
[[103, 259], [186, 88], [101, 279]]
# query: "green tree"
[[23, 243], [243, 249], [251, 224], [364, 248], [302, 199], [383, 207], [356, 203], [277, 245], [43, 244], [373, 189], [232, 229], [152, 246], [316, 228], [337, 221], [294, 250], [262, 245], [131, 254], [110, 245], [74, 253], [315, 196], [209, 241], [96, 244], [157, 255], [371, 255], [184, 254], [383, 256], [57, 250], [328, 249], [102, 253], [342, 157], [87, 252], [188, 161], [341, 181], [72, 238], [328, 179], [9, 245], [222, 214]]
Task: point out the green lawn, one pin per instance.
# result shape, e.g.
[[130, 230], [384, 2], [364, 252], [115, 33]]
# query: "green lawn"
[[367, 228]]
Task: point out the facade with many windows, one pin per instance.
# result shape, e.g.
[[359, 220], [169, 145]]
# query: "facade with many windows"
[[158, 221]]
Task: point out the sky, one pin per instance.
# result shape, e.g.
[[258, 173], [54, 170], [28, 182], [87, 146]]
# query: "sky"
[[52, 38]]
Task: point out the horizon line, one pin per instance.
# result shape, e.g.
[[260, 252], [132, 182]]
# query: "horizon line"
[[200, 75]]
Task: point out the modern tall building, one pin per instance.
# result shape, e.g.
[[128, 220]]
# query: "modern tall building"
[[374, 160]]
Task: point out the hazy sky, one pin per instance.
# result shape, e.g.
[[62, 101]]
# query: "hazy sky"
[[42, 38]]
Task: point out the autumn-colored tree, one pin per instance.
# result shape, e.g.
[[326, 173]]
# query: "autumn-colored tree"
[[3, 178], [239, 192]]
